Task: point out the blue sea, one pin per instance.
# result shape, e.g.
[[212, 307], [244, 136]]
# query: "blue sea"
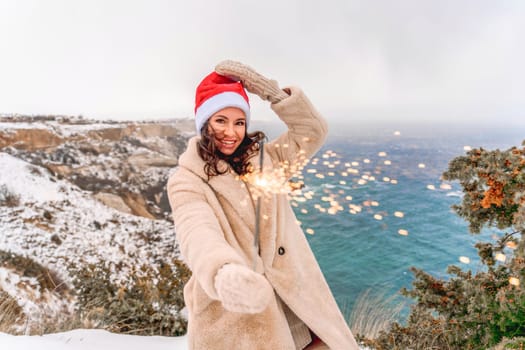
[[364, 251]]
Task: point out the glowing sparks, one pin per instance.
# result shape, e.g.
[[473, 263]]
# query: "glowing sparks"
[[421, 166], [269, 182], [397, 133], [333, 178], [261, 182], [403, 232], [332, 211], [464, 260], [514, 281], [355, 208], [299, 199]]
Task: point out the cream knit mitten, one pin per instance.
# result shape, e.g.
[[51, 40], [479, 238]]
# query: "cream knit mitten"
[[242, 290], [254, 82]]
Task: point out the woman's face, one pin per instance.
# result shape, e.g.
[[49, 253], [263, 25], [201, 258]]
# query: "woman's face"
[[228, 127]]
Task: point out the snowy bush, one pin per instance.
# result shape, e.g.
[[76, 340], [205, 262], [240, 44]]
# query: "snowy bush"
[[27, 267], [8, 198], [11, 314], [148, 303], [33, 298]]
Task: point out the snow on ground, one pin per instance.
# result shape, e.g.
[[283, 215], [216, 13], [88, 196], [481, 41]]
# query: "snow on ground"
[[90, 339], [18, 125], [15, 174], [93, 339], [61, 129], [82, 224]]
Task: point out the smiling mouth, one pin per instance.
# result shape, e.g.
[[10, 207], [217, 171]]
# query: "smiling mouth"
[[228, 143]]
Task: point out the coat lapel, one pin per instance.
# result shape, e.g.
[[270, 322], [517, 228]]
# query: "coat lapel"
[[227, 185], [234, 191]]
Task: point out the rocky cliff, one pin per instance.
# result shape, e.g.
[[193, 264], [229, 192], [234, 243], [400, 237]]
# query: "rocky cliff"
[[125, 165]]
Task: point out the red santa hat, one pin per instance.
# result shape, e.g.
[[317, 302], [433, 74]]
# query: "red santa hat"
[[216, 92]]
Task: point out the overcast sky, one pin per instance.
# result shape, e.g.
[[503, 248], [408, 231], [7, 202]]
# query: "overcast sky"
[[371, 59]]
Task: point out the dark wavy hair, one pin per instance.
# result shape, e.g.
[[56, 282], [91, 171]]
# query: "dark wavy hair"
[[239, 161]]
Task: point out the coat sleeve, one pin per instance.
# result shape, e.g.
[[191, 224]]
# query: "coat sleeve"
[[198, 231], [307, 131]]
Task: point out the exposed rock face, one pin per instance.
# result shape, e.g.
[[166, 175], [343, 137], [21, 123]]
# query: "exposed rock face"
[[29, 139], [114, 201], [126, 164]]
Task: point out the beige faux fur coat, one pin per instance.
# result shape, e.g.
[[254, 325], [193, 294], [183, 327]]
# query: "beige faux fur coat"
[[215, 223]]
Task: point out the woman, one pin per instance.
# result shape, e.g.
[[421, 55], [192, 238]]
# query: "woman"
[[280, 301]]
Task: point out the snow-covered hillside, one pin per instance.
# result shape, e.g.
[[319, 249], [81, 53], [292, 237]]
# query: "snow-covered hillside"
[[81, 194]]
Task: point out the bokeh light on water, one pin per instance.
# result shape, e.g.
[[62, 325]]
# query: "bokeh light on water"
[[375, 205]]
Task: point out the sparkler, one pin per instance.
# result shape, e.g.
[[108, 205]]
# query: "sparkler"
[[258, 210]]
